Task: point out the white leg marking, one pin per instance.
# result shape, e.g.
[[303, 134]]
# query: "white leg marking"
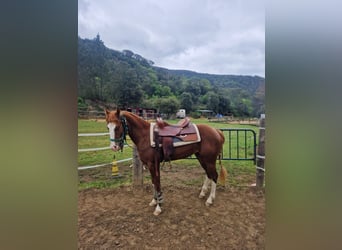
[[153, 202], [212, 195], [204, 187], [157, 211]]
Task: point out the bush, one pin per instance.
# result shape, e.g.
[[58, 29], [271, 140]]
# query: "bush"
[[195, 115], [81, 104]]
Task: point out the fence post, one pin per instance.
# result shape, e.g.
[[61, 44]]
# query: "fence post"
[[137, 169], [260, 173]]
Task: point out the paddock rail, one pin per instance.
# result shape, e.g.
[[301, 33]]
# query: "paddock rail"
[[244, 140]]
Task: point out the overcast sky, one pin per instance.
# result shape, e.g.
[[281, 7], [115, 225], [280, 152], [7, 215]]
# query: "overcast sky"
[[206, 36]]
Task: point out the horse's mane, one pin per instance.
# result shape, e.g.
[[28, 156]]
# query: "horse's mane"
[[134, 117]]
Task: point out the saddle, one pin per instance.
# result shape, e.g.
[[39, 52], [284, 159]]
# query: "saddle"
[[165, 129], [167, 135]]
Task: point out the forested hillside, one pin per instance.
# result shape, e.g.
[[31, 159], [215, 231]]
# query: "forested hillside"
[[126, 79]]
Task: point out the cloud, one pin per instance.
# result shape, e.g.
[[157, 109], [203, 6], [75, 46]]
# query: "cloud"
[[222, 36]]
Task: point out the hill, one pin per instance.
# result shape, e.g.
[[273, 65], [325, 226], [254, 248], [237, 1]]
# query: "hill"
[[126, 79]]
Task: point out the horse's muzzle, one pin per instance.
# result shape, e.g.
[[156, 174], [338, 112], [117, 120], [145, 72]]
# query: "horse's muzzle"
[[115, 148]]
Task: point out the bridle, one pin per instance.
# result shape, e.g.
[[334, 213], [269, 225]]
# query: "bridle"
[[122, 140]]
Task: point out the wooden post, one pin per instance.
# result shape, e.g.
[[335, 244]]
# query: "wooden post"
[[137, 169], [260, 173]]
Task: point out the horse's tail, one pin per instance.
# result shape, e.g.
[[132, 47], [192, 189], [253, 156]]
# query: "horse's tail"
[[223, 171], [221, 135]]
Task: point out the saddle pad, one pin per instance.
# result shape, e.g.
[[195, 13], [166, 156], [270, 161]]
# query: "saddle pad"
[[184, 140]]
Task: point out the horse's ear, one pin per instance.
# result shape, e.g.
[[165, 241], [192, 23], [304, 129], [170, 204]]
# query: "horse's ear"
[[106, 112], [118, 112]]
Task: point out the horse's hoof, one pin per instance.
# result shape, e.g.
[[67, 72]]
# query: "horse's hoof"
[[153, 203], [157, 211], [201, 196], [208, 203]]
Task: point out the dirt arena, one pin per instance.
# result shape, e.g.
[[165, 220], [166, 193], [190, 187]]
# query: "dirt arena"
[[120, 218]]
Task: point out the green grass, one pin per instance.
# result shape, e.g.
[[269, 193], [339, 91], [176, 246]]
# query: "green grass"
[[98, 157], [110, 183], [92, 126], [103, 156], [237, 170]]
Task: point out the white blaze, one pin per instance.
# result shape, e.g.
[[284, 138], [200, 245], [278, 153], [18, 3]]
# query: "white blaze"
[[111, 127]]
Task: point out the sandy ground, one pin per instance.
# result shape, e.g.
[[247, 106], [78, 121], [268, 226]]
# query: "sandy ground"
[[120, 218]]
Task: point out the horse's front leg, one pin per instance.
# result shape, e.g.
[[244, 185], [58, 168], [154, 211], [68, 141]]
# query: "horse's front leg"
[[157, 201], [154, 200], [158, 195]]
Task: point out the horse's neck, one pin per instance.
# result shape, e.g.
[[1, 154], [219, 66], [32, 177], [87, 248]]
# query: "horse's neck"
[[138, 129]]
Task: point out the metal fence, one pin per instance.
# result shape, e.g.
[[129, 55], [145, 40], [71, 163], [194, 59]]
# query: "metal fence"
[[241, 144]]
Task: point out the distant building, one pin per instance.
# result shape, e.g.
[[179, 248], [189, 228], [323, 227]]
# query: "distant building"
[[181, 113], [206, 113]]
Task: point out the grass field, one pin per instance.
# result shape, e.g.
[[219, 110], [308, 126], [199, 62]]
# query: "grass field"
[[101, 177]]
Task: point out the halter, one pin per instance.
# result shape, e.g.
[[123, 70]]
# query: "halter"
[[122, 138]]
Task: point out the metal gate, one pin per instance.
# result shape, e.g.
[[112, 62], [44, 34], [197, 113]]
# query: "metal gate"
[[240, 144]]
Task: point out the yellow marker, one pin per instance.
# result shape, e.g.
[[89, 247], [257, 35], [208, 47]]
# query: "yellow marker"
[[115, 170]]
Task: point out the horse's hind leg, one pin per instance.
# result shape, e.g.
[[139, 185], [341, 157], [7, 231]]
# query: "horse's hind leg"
[[212, 195], [206, 179], [204, 187], [211, 177]]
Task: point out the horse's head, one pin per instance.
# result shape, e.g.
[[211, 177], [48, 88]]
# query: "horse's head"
[[117, 129]]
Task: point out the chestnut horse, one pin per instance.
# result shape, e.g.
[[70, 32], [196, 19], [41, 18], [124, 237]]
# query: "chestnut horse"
[[207, 150]]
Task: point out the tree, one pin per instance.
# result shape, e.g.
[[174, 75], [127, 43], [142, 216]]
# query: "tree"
[[241, 110], [129, 93], [168, 105], [213, 101], [194, 89], [126, 79], [162, 91], [186, 101], [224, 105]]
